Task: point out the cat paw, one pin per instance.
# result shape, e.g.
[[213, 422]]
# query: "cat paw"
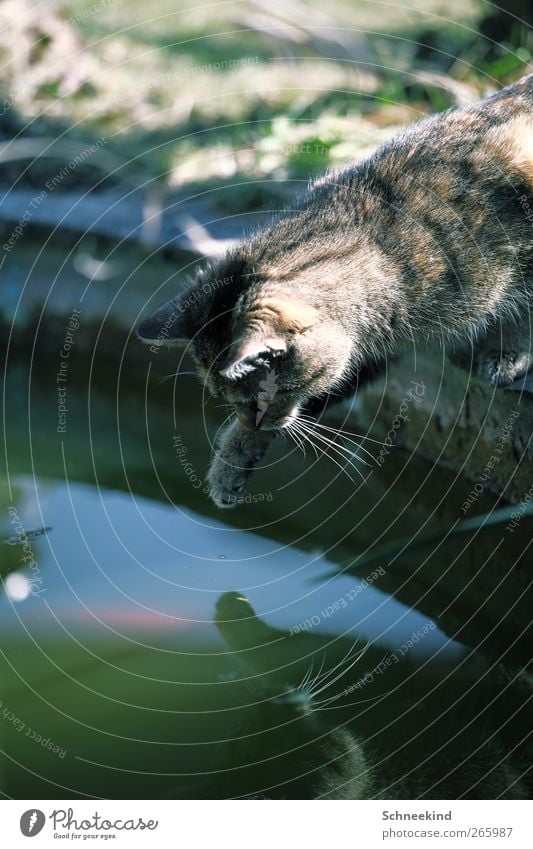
[[238, 452], [500, 369], [227, 485]]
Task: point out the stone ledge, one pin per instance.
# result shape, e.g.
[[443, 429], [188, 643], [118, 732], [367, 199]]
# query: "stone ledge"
[[458, 421]]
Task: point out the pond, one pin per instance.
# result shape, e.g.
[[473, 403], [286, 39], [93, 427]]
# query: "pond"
[[152, 646]]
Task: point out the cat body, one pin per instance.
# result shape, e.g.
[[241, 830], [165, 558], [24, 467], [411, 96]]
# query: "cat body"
[[428, 239]]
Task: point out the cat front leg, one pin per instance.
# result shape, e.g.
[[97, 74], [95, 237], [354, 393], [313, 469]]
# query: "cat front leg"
[[238, 452]]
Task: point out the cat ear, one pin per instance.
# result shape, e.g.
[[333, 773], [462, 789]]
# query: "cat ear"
[[279, 320], [170, 323], [251, 353], [180, 319]]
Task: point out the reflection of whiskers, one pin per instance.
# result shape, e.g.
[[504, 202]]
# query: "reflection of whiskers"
[[327, 704], [304, 697]]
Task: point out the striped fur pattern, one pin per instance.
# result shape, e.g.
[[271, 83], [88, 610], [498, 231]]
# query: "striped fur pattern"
[[427, 240]]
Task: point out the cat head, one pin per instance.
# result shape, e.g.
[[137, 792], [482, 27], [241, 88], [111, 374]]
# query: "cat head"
[[260, 344]]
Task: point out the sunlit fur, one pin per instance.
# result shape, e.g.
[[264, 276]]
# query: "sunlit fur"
[[429, 238]]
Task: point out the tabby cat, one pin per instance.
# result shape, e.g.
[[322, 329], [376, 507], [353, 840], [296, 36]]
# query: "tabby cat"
[[427, 239]]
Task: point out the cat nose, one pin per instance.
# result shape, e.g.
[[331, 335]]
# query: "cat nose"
[[248, 417]]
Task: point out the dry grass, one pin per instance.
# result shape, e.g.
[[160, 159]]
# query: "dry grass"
[[206, 92]]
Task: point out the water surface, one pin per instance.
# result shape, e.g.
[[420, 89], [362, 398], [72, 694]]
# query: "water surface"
[[116, 679]]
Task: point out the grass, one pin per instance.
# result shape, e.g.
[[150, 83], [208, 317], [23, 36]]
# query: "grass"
[[198, 95]]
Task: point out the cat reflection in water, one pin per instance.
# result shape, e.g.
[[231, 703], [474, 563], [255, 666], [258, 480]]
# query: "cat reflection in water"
[[318, 724]]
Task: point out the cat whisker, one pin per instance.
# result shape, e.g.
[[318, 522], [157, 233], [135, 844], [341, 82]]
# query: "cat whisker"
[[341, 674], [342, 435], [178, 374], [311, 420], [341, 447], [362, 436], [330, 699], [338, 449], [310, 428], [325, 684], [325, 453], [307, 675], [310, 683], [292, 433], [311, 686], [321, 679], [319, 450], [336, 394], [322, 705], [305, 438]]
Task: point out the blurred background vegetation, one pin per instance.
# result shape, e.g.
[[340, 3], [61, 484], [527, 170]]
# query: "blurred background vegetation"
[[247, 93]]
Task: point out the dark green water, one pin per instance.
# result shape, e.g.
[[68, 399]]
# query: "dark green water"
[[116, 679]]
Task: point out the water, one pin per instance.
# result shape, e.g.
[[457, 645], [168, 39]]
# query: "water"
[[151, 645]]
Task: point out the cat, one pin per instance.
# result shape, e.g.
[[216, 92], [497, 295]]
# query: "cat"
[[429, 239], [312, 727]]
